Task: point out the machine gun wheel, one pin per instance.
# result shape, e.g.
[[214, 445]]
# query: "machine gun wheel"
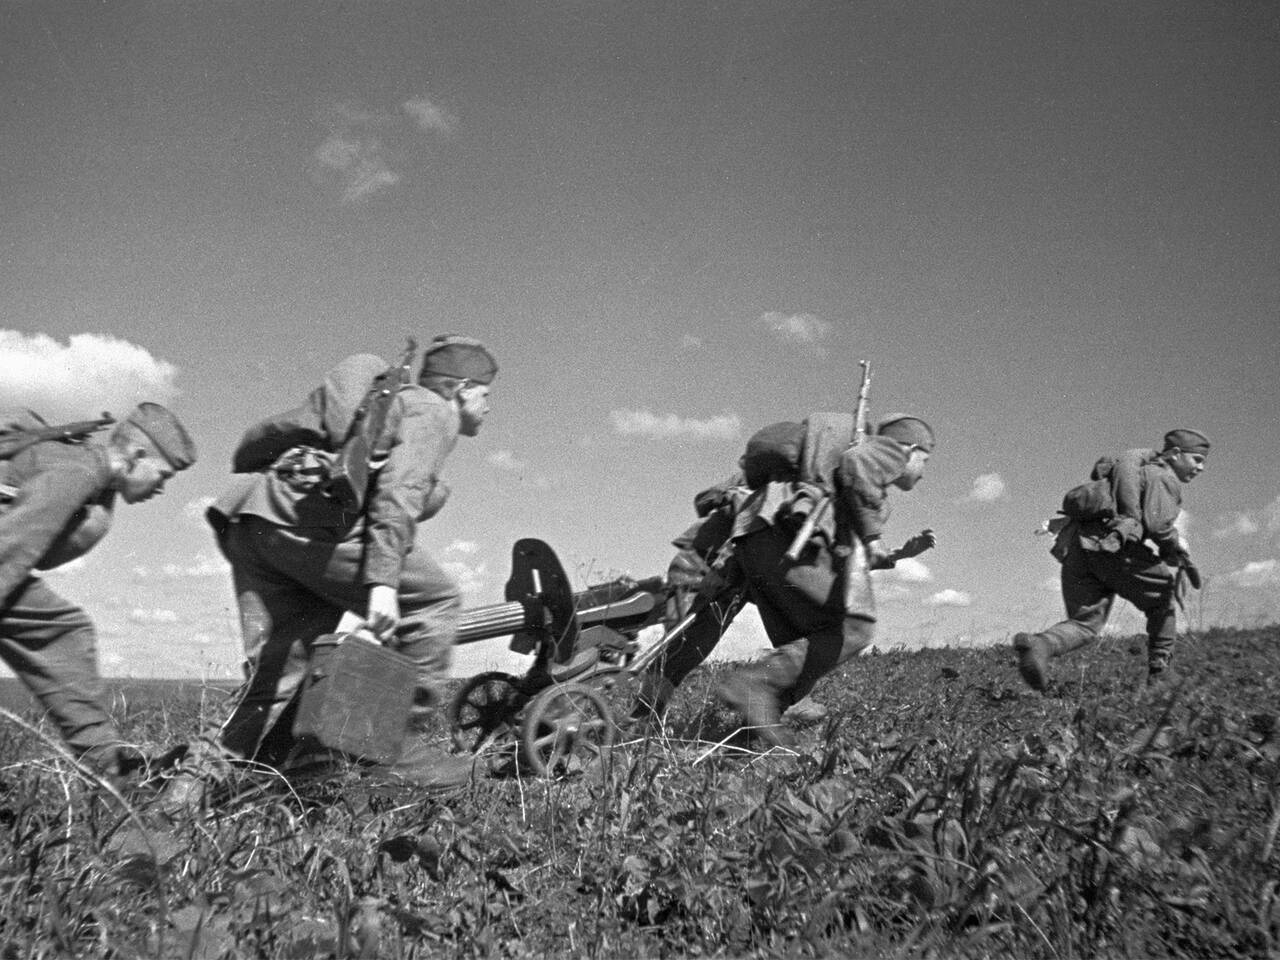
[[484, 710], [562, 719]]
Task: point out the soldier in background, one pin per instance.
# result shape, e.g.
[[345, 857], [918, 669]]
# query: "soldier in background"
[[56, 503], [817, 608], [1125, 545], [301, 558]]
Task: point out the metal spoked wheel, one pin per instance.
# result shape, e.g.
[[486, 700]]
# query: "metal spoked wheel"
[[484, 711], [564, 720]]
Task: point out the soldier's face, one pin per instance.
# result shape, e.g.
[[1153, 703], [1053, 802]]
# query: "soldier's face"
[[473, 407], [1187, 466], [146, 478], [913, 472]]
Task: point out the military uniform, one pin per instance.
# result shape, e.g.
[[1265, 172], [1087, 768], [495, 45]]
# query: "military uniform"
[[300, 558], [818, 610], [1134, 555], [63, 496]]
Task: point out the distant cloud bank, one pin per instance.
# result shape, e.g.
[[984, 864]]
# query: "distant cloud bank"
[[645, 423], [81, 378], [1257, 573], [358, 154]]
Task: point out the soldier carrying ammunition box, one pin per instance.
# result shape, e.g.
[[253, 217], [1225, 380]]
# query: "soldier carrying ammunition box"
[[316, 530]]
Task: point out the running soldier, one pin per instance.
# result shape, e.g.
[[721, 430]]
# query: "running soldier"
[[57, 498], [302, 556], [814, 598], [1117, 538]]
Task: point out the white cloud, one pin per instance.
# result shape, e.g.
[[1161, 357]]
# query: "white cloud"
[[507, 461], [949, 598], [1272, 514], [467, 547], [358, 154], [986, 488], [1183, 521], [690, 342], [358, 164], [1256, 573], [429, 116], [470, 577], [911, 570], [80, 379], [139, 615], [799, 329], [658, 427], [1238, 525]]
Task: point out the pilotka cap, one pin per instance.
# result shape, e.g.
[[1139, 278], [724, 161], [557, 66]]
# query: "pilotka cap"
[[907, 429], [1188, 441], [166, 433], [450, 355]]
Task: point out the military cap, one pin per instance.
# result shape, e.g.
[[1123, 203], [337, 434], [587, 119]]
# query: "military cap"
[[166, 433], [450, 355], [907, 429], [1188, 441]]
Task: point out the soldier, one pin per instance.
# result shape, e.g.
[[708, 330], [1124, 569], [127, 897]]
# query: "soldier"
[[1104, 552], [818, 609], [300, 558], [56, 502]]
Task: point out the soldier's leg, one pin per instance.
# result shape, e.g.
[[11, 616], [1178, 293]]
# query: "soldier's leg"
[[50, 645], [683, 656], [1150, 587], [430, 606], [1087, 598], [280, 619]]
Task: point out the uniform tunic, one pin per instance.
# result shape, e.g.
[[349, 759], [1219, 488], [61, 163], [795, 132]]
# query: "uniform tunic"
[[61, 509], [299, 560]]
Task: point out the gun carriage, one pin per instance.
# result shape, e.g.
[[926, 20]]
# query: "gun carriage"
[[585, 661]]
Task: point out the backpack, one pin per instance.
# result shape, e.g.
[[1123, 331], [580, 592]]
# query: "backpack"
[[364, 448], [788, 451], [1091, 500]]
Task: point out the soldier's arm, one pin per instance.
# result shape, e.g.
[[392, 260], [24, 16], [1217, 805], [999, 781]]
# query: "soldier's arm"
[[43, 507], [427, 431], [1161, 504], [865, 472]]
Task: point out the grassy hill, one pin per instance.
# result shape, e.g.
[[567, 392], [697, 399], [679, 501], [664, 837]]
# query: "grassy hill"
[[942, 810]]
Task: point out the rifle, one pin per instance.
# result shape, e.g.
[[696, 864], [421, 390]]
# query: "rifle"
[[822, 506], [17, 438], [358, 459]]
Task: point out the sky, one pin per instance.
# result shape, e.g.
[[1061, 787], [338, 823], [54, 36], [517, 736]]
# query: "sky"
[[1053, 229]]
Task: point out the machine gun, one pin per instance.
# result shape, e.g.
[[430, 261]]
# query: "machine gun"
[[544, 615]]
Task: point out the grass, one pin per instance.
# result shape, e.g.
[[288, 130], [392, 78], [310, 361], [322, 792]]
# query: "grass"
[[941, 811]]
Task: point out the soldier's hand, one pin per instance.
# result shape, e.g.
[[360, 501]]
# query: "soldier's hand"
[[922, 541], [1193, 575], [383, 614]]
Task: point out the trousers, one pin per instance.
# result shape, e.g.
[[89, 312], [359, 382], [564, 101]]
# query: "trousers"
[[1091, 581], [293, 586], [50, 645]]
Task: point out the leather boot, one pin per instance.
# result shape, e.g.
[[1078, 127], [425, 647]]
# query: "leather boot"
[[651, 703], [1033, 651]]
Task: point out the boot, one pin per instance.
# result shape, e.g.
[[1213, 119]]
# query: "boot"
[[651, 704], [431, 769], [1033, 651], [805, 711], [746, 692]]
